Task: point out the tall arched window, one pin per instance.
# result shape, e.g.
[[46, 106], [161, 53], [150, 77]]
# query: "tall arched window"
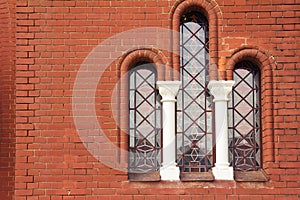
[[194, 105], [144, 119], [244, 118]]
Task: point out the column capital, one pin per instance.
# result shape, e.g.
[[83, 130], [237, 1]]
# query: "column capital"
[[220, 89], [168, 90]]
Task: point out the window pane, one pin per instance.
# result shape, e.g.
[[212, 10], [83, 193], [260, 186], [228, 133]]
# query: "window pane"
[[194, 120], [144, 120], [244, 118]]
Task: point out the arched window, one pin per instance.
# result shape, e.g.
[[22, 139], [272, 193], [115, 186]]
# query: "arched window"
[[144, 119], [194, 105], [244, 118]]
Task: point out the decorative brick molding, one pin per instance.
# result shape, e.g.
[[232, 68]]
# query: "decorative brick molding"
[[148, 55], [267, 65], [125, 63], [213, 13], [264, 61]]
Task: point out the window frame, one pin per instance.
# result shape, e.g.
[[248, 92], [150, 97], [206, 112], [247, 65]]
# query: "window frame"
[[204, 170], [258, 174], [152, 175]]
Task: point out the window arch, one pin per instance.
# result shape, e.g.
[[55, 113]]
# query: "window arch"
[[194, 105], [245, 118], [144, 119]]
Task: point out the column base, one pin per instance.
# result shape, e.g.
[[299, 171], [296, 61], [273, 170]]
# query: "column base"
[[170, 173], [223, 173]]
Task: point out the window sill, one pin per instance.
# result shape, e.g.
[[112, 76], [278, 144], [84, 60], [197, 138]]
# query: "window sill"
[[251, 176], [144, 177], [201, 176], [239, 176]]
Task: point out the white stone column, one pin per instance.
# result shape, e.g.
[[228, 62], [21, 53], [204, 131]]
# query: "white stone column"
[[220, 91], [168, 90]]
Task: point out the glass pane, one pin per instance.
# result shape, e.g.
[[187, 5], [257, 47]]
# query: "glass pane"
[[144, 120], [244, 118], [194, 118]]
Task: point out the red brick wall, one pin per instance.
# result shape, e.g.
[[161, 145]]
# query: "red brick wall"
[[52, 40], [7, 98]]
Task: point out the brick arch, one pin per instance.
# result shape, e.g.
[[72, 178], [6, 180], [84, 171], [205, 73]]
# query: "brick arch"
[[254, 54], [266, 64], [124, 64], [153, 56], [211, 10]]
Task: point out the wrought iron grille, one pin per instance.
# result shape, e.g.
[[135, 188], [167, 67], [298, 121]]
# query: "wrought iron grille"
[[144, 120], [194, 113], [244, 118]]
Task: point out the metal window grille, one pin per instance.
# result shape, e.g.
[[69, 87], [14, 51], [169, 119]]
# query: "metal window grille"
[[244, 118], [194, 105], [144, 120]]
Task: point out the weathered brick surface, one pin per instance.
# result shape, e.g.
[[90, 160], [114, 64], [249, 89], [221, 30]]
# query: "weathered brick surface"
[[43, 44], [7, 98]]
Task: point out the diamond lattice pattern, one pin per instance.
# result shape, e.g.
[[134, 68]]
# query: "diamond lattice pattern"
[[194, 144], [144, 123], [244, 113]]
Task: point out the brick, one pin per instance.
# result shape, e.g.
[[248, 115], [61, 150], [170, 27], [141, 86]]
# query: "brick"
[[45, 43]]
